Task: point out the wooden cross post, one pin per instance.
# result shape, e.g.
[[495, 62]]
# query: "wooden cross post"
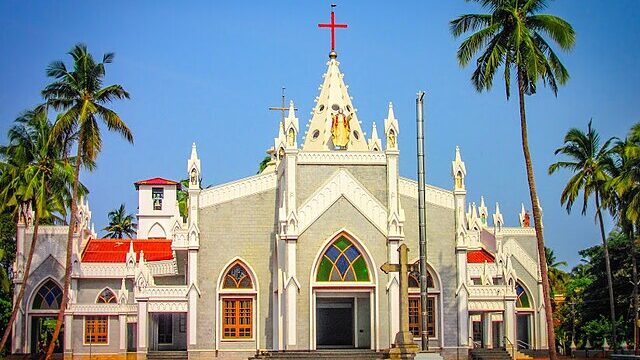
[[403, 347]]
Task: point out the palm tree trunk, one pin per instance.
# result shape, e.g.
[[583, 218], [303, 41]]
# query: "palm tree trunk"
[[607, 264], [551, 335], [634, 278], [67, 273], [25, 278]]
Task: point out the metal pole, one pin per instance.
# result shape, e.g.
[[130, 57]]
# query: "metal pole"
[[422, 217]]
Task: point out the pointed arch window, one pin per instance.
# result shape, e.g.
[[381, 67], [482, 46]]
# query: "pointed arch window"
[[237, 306], [522, 300], [342, 261], [237, 278], [48, 297], [415, 324], [107, 296]]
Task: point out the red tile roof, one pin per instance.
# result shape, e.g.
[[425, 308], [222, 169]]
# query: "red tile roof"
[[479, 256], [156, 181], [115, 250]]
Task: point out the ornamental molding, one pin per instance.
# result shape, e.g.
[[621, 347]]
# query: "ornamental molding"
[[486, 305], [342, 183], [342, 157], [163, 267], [476, 270], [103, 309], [167, 306], [511, 247], [434, 195], [176, 293], [515, 231], [491, 292], [237, 189]]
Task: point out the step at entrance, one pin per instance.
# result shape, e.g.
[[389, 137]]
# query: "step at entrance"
[[351, 354], [490, 354], [167, 355]]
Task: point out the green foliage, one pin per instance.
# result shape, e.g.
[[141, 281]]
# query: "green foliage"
[[183, 199], [512, 36], [8, 247], [121, 224], [587, 298], [264, 163]]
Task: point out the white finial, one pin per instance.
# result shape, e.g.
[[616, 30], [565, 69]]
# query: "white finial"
[[375, 144]]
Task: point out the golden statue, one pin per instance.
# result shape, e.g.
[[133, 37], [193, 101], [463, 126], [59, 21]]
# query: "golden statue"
[[340, 130]]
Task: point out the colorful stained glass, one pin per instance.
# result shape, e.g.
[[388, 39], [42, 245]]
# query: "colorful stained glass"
[[342, 262], [237, 278], [48, 297], [523, 299]]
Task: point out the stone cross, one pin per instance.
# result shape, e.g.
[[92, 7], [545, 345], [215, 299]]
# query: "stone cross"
[[403, 347]]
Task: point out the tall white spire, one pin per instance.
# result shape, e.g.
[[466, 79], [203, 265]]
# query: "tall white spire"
[[333, 99]]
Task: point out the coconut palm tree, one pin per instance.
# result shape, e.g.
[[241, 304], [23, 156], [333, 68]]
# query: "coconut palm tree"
[[35, 175], [591, 164], [512, 36], [78, 93], [121, 224], [557, 277], [624, 187]]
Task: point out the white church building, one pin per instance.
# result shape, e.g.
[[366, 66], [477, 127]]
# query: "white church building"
[[289, 259]]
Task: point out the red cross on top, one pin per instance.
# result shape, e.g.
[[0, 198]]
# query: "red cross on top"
[[333, 27]]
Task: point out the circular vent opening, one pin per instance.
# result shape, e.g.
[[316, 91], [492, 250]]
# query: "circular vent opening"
[[315, 134], [335, 107], [356, 135], [321, 108]]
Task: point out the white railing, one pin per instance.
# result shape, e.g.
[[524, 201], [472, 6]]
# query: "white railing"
[[164, 292], [103, 309], [342, 157], [490, 292]]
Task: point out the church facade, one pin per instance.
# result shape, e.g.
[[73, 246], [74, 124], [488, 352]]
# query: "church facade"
[[289, 259]]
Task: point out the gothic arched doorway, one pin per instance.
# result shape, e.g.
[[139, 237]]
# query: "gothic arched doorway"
[[343, 306]]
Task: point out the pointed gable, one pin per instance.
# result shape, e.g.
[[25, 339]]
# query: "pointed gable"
[[333, 99]]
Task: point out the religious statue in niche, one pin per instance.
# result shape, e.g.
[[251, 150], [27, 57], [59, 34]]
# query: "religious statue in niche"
[[194, 176], [526, 220], [340, 129], [291, 137], [391, 140], [458, 180], [483, 218]]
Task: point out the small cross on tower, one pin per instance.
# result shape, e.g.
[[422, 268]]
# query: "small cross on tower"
[[333, 27]]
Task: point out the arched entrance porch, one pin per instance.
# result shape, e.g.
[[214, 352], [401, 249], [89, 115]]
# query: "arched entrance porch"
[[343, 299]]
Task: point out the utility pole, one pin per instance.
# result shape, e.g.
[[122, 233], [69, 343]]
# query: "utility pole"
[[422, 219]]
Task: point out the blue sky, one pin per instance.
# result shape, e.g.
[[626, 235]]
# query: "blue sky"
[[207, 71]]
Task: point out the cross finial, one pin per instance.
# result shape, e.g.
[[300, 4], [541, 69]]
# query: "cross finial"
[[282, 108], [332, 25]]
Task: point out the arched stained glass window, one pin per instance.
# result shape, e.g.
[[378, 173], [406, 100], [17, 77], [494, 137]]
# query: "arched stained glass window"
[[342, 262], [237, 278], [523, 299], [414, 280], [107, 297], [48, 297]]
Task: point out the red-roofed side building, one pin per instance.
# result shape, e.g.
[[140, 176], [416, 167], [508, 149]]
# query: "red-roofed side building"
[[115, 250], [479, 256]]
